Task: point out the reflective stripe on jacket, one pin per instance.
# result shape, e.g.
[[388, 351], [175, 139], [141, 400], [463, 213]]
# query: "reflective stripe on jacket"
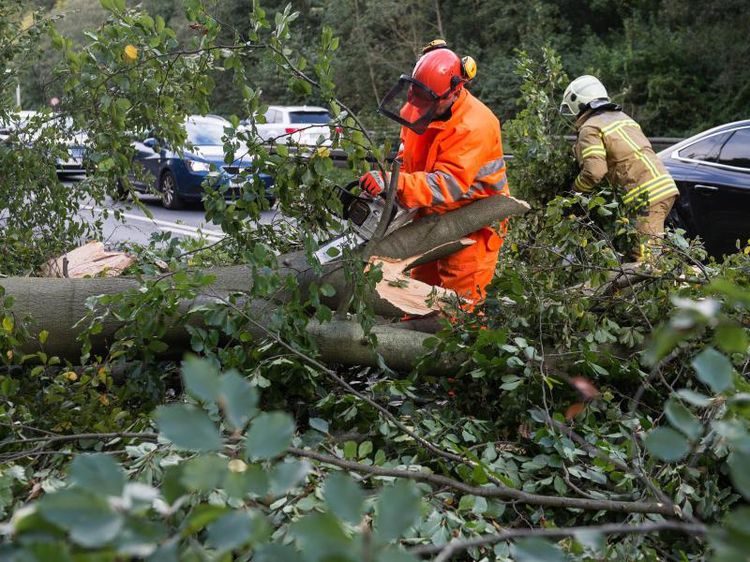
[[611, 144], [455, 161]]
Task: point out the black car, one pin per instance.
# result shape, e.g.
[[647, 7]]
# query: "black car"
[[712, 171]]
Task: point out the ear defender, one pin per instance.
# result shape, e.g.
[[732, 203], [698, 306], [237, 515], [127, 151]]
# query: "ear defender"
[[468, 68]]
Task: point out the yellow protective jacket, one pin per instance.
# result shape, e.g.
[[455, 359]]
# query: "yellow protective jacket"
[[611, 144]]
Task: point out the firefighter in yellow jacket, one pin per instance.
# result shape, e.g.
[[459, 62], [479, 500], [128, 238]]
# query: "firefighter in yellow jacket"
[[611, 144]]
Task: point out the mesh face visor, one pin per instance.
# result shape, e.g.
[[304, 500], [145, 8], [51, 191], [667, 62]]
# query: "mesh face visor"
[[410, 103]]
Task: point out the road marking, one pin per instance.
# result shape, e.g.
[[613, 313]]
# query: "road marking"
[[191, 233], [177, 228]]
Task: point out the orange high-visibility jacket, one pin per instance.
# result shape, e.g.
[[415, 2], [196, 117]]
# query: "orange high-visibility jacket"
[[454, 162]]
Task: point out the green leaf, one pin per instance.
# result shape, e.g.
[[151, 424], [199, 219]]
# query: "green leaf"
[[350, 450], [536, 550], [666, 444], [344, 497], [286, 475], [738, 470], [467, 502], [123, 103], [199, 517], [89, 519], [681, 418], [232, 530], [694, 398], [398, 509], [253, 480], [321, 537], [98, 473], [327, 290], [201, 379], [188, 427], [365, 448], [204, 473], [714, 369], [139, 534], [732, 338], [269, 435], [240, 399], [172, 487], [319, 425]]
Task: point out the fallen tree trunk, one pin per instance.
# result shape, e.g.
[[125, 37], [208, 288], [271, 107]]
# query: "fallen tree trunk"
[[57, 305]]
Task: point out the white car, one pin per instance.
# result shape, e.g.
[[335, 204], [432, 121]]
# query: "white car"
[[15, 124], [27, 127], [295, 124]]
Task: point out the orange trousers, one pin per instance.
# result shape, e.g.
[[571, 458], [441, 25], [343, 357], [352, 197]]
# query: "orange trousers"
[[468, 271]]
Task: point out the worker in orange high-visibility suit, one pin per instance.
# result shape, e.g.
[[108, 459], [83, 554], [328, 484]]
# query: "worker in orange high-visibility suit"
[[452, 155]]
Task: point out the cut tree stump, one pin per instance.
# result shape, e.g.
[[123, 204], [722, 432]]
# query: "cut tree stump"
[[411, 296], [89, 260]]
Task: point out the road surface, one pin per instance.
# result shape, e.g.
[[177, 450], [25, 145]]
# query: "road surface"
[[136, 227]]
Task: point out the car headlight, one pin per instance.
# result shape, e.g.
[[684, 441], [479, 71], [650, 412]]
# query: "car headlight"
[[196, 166]]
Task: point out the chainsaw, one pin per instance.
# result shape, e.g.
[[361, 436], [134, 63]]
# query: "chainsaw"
[[363, 213]]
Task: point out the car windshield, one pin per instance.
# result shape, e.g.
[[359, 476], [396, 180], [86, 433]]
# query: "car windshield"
[[205, 132], [313, 117]]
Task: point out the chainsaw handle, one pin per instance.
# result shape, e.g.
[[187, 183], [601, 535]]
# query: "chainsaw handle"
[[353, 184]]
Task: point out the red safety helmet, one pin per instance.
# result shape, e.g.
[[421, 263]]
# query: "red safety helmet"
[[439, 70], [438, 74]]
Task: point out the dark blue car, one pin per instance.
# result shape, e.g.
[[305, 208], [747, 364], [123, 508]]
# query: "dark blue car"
[[712, 172], [180, 177]]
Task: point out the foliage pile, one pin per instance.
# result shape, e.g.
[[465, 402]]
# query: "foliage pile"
[[593, 414]]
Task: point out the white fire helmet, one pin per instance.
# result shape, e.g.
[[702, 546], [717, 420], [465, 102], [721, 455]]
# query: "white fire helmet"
[[580, 93]]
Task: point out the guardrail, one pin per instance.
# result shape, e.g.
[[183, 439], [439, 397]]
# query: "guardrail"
[[339, 157]]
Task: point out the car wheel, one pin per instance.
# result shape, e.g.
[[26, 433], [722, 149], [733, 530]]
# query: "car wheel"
[[170, 198]]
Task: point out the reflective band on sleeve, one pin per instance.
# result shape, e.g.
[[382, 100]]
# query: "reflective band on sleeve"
[[598, 152], [595, 149], [490, 168], [437, 193], [480, 186], [499, 186], [582, 185], [454, 189]]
